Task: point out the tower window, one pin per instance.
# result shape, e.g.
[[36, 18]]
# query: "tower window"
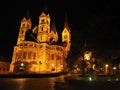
[[41, 28], [34, 55], [52, 56], [23, 25], [65, 37], [65, 31], [41, 46], [20, 39], [22, 32], [43, 20], [29, 55]]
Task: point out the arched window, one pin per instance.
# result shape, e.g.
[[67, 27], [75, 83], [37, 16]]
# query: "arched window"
[[34, 55], [42, 20], [24, 55], [23, 25], [29, 55], [22, 32], [41, 28], [65, 37], [19, 56], [52, 56]]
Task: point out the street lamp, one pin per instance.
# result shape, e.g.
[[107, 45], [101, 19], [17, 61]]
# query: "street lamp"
[[22, 64], [106, 69], [61, 66]]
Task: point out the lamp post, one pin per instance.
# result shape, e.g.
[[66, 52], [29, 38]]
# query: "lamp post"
[[106, 69], [22, 64]]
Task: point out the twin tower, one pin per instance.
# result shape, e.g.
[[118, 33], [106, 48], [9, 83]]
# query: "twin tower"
[[38, 49]]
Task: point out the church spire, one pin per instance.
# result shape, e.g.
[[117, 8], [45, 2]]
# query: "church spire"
[[45, 10], [66, 23], [54, 34], [27, 14], [53, 27]]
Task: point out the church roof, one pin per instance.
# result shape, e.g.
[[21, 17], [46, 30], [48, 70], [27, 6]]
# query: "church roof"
[[27, 14], [66, 24], [53, 27]]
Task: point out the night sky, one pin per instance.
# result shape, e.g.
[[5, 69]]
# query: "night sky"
[[97, 23]]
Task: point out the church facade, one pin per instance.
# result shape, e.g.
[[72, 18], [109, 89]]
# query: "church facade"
[[38, 49]]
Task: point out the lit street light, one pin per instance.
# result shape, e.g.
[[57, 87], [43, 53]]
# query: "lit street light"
[[106, 69], [22, 64]]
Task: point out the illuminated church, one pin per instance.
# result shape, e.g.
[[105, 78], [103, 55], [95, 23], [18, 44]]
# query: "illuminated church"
[[38, 50]]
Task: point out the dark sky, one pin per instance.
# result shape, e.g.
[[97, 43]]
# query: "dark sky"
[[97, 23]]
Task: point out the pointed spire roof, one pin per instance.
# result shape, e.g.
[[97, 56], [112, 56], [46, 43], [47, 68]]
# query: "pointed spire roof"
[[66, 23], [43, 14], [53, 27], [45, 10], [27, 14], [24, 19]]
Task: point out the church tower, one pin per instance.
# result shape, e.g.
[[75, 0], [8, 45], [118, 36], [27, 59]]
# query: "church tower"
[[38, 49], [66, 36], [43, 28], [25, 26]]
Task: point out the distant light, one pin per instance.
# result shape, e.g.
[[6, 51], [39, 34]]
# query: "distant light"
[[114, 68], [61, 66], [22, 64], [106, 65], [116, 79], [52, 65], [90, 78], [109, 79]]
